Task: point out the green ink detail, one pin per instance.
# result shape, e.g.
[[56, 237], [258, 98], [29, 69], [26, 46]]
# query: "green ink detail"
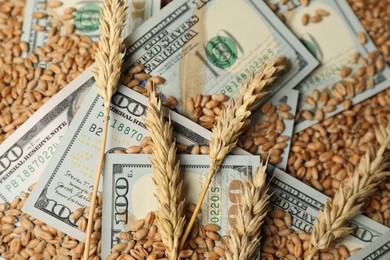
[[221, 51], [87, 18], [310, 46]]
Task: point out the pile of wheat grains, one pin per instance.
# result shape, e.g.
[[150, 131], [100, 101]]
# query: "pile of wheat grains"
[[24, 86], [326, 154], [323, 156]]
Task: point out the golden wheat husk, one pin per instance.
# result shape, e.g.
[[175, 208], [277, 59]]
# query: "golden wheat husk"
[[332, 222], [230, 123], [109, 55], [166, 177], [109, 58], [244, 238]]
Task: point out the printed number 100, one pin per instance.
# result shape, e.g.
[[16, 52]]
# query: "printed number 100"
[[236, 189]]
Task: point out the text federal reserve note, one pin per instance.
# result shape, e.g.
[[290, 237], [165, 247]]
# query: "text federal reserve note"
[[128, 191]]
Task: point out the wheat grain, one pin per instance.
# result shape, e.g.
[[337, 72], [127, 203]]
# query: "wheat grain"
[[166, 176], [281, 241], [245, 237], [348, 200], [207, 109], [205, 243], [24, 237], [20, 75]]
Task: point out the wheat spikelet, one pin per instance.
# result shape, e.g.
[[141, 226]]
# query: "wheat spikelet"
[[166, 177], [230, 123], [109, 55], [348, 200], [232, 120], [244, 239], [109, 58]]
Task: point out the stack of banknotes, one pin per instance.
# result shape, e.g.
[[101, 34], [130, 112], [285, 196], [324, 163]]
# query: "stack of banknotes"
[[58, 146]]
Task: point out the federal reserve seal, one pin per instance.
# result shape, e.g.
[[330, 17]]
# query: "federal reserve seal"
[[87, 17], [221, 51]]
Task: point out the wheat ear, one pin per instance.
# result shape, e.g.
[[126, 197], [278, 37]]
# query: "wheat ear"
[[244, 238], [231, 122], [109, 58], [349, 199], [166, 177]]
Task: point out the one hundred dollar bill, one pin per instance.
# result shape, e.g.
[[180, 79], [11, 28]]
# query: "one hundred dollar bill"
[[132, 173], [211, 46], [334, 41], [128, 191], [378, 250], [69, 176], [85, 18], [25, 154]]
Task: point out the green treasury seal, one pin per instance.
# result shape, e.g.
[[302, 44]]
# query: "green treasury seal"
[[87, 17], [221, 51]]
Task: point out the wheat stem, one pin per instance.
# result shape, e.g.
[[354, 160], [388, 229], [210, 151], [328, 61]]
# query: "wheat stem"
[[332, 222], [109, 58], [89, 228], [231, 122]]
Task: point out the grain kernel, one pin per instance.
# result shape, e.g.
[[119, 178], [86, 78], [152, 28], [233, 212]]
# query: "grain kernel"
[[305, 19], [362, 37]]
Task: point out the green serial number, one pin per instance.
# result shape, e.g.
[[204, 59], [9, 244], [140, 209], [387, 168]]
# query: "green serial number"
[[215, 212], [120, 127], [236, 82], [29, 169]]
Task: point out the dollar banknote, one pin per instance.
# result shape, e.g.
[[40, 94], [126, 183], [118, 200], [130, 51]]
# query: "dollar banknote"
[[132, 175], [25, 154], [70, 174], [209, 47], [333, 33], [378, 250], [83, 14]]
